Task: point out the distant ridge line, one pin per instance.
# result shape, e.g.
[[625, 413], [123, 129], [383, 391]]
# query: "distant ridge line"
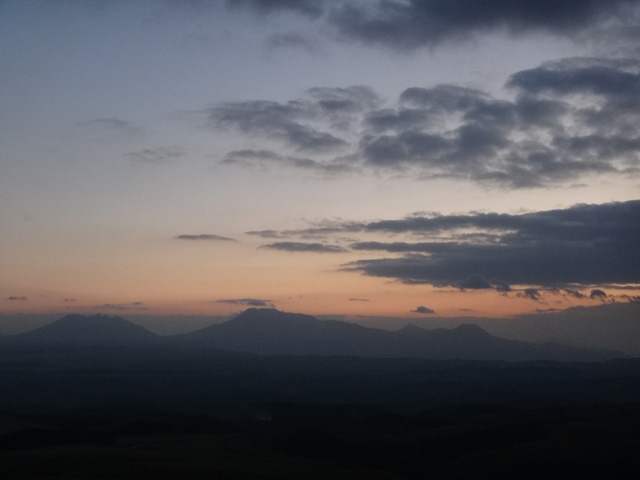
[[268, 331]]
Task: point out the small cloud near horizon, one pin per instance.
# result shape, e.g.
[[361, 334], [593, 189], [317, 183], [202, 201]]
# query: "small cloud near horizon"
[[423, 309], [14, 298], [597, 293], [248, 302]]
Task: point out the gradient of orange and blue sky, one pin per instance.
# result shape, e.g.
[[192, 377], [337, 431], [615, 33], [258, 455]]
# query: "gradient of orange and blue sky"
[[328, 157]]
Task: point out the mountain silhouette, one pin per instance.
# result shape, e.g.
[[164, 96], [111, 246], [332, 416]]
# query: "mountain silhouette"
[[268, 331], [272, 332], [87, 330]]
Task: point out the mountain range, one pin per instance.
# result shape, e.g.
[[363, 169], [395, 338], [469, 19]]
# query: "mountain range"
[[272, 332]]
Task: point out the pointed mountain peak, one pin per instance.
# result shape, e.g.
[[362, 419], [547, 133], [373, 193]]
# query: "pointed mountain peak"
[[472, 329], [97, 329], [410, 328]]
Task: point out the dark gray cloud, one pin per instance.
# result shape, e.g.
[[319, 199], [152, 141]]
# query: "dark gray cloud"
[[610, 78], [475, 281], [411, 24], [531, 293], [568, 120], [423, 309], [417, 23], [303, 124], [275, 120], [14, 298], [69, 300], [546, 135], [304, 247], [574, 293], [581, 245], [158, 156], [402, 247], [248, 302], [205, 236], [597, 293], [337, 100]]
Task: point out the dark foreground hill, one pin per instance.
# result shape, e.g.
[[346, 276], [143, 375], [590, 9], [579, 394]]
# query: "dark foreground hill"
[[272, 332], [137, 412]]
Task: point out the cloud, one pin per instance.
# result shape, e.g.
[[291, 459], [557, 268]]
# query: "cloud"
[[422, 309], [265, 233], [359, 300], [249, 302], [475, 281], [69, 300], [406, 25], [317, 123], [121, 306], [317, 230], [205, 236], [565, 120], [161, 155], [531, 293], [412, 24], [545, 135], [574, 293], [597, 293], [254, 158], [305, 247], [581, 245], [14, 298], [293, 123], [293, 40]]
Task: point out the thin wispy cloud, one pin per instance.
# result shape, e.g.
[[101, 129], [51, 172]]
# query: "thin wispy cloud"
[[248, 302], [299, 247], [205, 237], [156, 156], [16, 298], [121, 306]]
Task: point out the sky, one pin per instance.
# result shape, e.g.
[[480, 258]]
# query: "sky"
[[361, 158]]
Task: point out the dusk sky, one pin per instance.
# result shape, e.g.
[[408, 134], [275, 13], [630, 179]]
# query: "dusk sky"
[[396, 158]]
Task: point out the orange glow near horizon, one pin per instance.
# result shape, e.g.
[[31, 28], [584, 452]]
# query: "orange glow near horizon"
[[325, 293]]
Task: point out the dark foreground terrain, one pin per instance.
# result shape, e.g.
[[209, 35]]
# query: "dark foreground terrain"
[[135, 412]]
